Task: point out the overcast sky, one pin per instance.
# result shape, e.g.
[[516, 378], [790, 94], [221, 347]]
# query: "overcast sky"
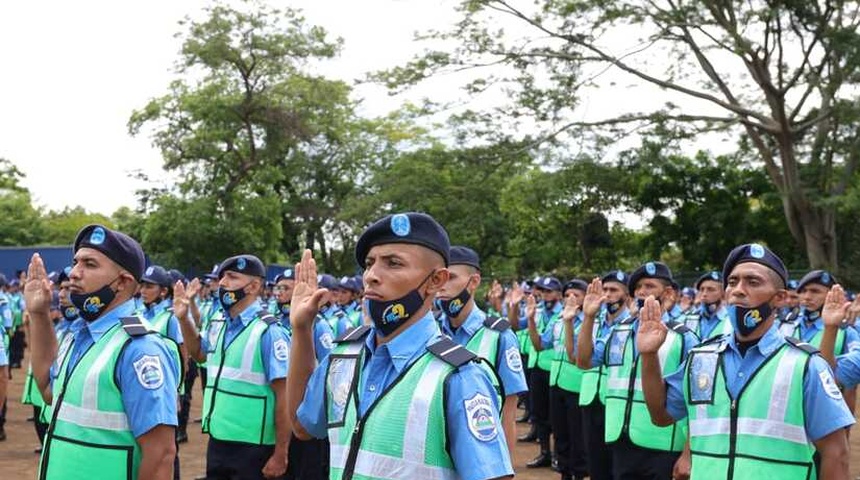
[[74, 71]]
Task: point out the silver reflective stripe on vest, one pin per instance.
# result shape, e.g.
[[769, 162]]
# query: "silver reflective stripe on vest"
[[88, 414], [486, 346], [351, 349], [245, 373], [619, 383], [386, 467], [415, 434]]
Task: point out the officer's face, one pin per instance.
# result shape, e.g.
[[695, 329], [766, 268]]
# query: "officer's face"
[[64, 293], [751, 284], [577, 295], [813, 295], [650, 286], [793, 299], [614, 292], [149, 292], [710, 291], [462, 276], [284, 290], [92, 270], [550, 295], [393, 270], [239, 281]]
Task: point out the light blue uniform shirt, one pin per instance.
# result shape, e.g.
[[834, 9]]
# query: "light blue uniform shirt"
[[708, 322], [275, 366], [848, 369], [509, 364], [474, 459], [597, 357], [823, 412], [548, 320], [809, 330], [145, 407], [323, 338], [675, 312], [4, 355], [6, 311], [173, 331]]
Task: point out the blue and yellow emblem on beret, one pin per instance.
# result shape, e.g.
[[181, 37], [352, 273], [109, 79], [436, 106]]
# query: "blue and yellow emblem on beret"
[[98, 236], [400, 225]]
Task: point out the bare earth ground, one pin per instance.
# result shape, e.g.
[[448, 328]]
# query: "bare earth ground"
[[18, 461]]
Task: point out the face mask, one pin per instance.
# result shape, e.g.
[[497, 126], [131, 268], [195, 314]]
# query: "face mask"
[[229, 298], [746, 320], [640, 302], [70, 312], [549, 304], [284, 308], [388, 315], [811, 315], [614, 307], [711, 308], [454, 306], [91, 305]]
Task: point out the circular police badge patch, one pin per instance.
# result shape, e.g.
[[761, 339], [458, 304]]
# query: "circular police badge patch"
[[513, 359], [703, 381], [98, 236], [756, 251], [282, 350], [149, 372], [149, 271], [326, 340], [829, 385], [825, 278], [480, 417], [400, 225], [715, 276], [241, 264], [619, 276], [650, 268]]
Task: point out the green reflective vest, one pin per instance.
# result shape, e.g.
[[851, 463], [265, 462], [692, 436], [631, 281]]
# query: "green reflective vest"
[[406, 425], [762, 433], [564, 373], [815, 341], [238, 403], [31, 394], [626, 412], [693, 321], [544, 358], [485, 344], [89, 435]]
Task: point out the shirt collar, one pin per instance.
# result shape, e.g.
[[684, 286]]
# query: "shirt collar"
[[409, 344], [248, 314], [99, 326], [767, 344]]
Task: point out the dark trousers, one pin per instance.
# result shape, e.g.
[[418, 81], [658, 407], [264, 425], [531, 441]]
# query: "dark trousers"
[[236, 461], [185, 398], [539, 390], [598, 454], [567, 430], [16, 348], [630, 462], [308, 459], [202, 371], [41, 428], [3, 414], [526, 396]]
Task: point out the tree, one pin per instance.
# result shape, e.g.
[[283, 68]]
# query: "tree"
[[782, 75], [61, 227]]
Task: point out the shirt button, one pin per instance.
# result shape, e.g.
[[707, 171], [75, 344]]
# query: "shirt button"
[[741, 374], [372, 388]]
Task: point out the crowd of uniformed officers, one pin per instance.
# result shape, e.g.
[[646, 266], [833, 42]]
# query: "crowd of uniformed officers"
[[399, 374]]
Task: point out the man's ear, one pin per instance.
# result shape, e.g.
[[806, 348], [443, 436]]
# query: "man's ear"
[[437, 280], [780, 297], [474, 283]]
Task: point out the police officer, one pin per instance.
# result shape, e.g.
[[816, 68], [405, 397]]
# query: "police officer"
[[809, 327], [639, 449], [398, 400], [244, 409], [111, 384], [4, 381], [541, 322], [283, 292], [790, 308], [688, 300], [349, 310], [565, 381], [758, 404], [710, 318], [488, 337], [16, 307], [516, 314], [604, 304]]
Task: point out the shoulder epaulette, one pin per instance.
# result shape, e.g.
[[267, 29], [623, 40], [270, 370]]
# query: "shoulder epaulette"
[[678, 327], [497, 323], [353, 334], [713, 343], [134, 327], [451, 352], [269, 319], [796, 342]]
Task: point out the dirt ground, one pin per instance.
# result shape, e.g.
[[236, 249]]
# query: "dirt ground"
[[18, 460]]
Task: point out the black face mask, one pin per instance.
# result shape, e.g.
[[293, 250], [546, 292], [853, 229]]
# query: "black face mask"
[[70, 312], [710, 308], [640, 302], [614, 307], [746, 320], [284, 308], [92, 305], [549, 305], [811, 315], [388, 315], [228, 298], [454, 306]]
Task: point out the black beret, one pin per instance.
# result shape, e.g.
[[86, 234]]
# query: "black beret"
[[327, 281], [64, 274], [617, 276], [349, 283], [821, 277], [713, 276], [791, 285], [176, 276], [247, 264], [575, 284], [213, 275], [650, 270], [548, 283], [412, 228], [156, 275], [52, 277], [287, 274], [117, 246], [459, 255], [755, 253]]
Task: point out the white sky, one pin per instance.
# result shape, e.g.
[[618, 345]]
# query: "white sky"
[[73, 72]]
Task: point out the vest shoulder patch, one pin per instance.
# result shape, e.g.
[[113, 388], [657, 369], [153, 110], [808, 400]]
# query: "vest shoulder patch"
[[678, 327], [134, 327], [451, 352], [353, 334], [797, 343], [497, 323]]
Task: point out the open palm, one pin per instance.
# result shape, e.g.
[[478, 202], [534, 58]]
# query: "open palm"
[[37, 290], [306, 293]]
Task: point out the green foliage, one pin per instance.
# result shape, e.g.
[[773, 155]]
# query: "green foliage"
[[61, 228], [21, 223]]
